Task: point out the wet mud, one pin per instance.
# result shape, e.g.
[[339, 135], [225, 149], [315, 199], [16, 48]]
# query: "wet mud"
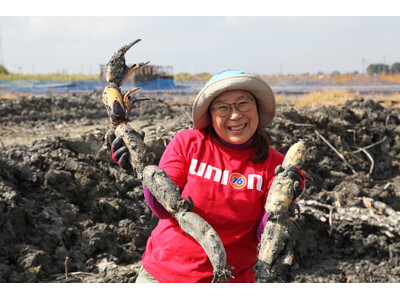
[[68, 213]]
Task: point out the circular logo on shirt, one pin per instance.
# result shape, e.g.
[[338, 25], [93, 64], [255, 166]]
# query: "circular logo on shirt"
[[237, 181]]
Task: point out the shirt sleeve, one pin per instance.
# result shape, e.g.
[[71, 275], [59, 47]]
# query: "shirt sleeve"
[[261, 226], [174, 160], [174, 164], [158, 210], [275, 160]]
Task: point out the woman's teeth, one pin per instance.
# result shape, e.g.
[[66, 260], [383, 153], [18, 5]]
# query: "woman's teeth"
[[237, 127]]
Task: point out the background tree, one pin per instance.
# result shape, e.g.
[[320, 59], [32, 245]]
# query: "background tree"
[[378, 69], [395, 68], [3, 70]]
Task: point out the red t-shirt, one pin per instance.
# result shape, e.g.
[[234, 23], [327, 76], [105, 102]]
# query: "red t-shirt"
[[229, 191]]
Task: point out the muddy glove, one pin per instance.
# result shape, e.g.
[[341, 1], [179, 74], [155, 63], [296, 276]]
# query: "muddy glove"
[[119, 151], [296, 175]]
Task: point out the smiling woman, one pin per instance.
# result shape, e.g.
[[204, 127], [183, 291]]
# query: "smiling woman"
[[225, 166], [243, 126], [234, 117]]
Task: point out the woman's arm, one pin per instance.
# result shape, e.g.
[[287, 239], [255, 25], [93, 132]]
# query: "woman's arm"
[[158, 210], [174, 164]]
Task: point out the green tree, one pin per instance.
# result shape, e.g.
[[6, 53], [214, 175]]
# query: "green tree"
[[395, 68], [3, 70], [204, 75], [378, 69]]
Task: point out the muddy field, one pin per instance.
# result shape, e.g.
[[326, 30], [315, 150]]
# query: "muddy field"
[[66, 206]]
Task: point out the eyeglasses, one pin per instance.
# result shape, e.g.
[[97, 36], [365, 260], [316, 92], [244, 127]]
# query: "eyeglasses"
[[224, 109]]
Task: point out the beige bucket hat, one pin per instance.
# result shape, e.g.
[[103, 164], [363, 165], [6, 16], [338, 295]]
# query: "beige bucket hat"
[[234, 80]]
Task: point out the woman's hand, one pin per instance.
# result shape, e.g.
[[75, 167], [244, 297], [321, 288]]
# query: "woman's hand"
[[119, 151], [296, 175]]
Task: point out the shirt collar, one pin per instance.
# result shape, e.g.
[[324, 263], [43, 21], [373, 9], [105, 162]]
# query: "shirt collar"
[[247, 145]]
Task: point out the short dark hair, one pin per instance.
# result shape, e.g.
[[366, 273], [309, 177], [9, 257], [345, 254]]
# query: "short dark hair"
[[262, 141]]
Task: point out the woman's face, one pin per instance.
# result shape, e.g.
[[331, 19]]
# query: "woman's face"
[[236, 127]]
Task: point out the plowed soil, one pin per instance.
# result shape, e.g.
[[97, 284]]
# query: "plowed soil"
[[68, 213]]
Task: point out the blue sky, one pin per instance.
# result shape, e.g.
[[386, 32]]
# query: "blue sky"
[[44, 42]]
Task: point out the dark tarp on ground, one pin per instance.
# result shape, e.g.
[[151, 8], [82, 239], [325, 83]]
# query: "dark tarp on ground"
[[158, 84], [168, 85], [52, 86], [49, 86]]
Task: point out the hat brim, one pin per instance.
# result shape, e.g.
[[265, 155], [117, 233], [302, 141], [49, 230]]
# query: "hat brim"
[[249, 82]]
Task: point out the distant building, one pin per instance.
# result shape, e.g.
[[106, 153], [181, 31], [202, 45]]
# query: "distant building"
[[149, 77], [144, 74], [152, 72]]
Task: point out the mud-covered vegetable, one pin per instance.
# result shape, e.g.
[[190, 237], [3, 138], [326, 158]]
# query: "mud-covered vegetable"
[[279, 201], [154, 178]]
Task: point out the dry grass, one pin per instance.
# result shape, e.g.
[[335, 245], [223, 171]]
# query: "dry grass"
[[7, 95], [340, 78], [391, 77], [326, 98], [63, 76], [337, 78], [345, 77], [335, 98]]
